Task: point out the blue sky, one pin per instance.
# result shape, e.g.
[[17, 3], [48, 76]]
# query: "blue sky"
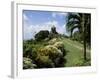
[[34, 21]]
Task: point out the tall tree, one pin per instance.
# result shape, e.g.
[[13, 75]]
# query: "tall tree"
[[74, 21], [82, 22], [84, 34]]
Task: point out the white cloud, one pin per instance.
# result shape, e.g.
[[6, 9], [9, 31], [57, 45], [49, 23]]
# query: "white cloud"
[[63, 14], [31, 30], [25, 17], [54, 14]]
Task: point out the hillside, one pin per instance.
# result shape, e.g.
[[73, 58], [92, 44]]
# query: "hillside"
[[44, 53]]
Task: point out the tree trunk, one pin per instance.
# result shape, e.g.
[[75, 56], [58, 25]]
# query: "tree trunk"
[[71, 33], [84, 34], [85, 44]]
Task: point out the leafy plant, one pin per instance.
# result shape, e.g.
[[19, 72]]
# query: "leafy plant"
[[41, 35], [27, 63]]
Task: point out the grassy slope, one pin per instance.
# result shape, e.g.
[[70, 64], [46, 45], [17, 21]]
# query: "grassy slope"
[[75, 53]]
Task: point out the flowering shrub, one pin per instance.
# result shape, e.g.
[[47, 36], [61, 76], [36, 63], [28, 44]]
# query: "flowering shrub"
[[60, 46], [52, 41], [27, 63], [44, 62], [50, 55], [50, 51], [44, 56]]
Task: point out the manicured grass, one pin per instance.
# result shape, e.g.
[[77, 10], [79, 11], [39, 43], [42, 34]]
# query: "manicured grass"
[[75, 53]]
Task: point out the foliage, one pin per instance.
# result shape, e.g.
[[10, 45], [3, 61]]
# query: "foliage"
[[45, 56], [77, 20], [41, 35], [82, 62], [81, 21], [27, 63], [53, 33], [27, 50], [49, 50], [53, 41], [53, 30], [50, 55], [77, 36], [44, 61]]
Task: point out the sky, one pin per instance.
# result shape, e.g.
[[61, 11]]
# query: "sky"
[[34, 21]]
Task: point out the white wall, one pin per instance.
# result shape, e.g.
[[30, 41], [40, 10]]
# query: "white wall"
[[5, 39]]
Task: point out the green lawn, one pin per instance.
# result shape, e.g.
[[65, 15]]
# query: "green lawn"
[[75, 53]]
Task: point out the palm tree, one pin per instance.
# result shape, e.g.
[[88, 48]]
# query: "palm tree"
[[74, 21], [82, 22]]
